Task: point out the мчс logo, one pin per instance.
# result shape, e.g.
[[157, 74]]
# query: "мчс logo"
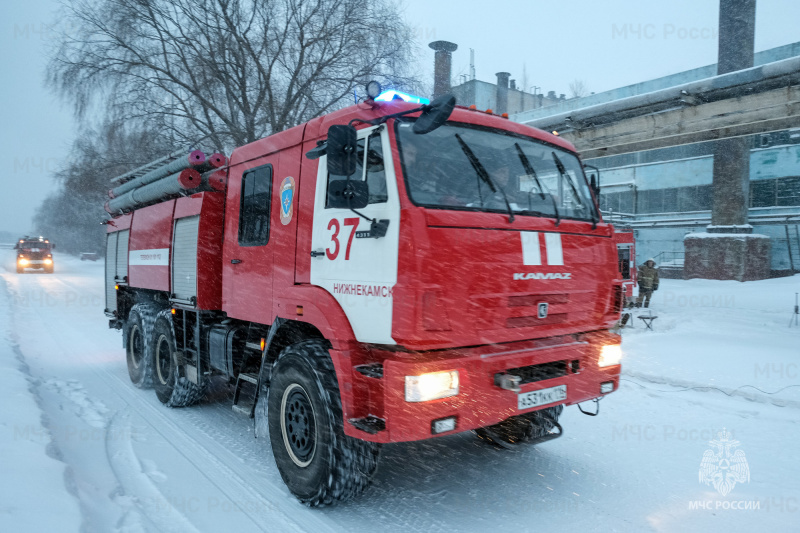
[[724, 468]]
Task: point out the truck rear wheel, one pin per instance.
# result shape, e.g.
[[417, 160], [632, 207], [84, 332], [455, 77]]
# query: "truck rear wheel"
[[318, 462], [172, 387], [137, 354], [521, 429]]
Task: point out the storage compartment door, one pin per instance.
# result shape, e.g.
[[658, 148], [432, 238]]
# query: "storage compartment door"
[[184, 258], [111, 271], [122, 255]]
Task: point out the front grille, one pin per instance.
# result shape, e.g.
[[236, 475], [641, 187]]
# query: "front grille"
[[618, 296], [531, 300], [530, 321], [541, 372]]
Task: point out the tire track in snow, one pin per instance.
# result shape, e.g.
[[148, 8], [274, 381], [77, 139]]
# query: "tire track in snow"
[[222, 477], [159, 514], [227, 480]]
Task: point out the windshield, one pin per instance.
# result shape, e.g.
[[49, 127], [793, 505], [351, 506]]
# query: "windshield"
[[535, 178], [30, 245]]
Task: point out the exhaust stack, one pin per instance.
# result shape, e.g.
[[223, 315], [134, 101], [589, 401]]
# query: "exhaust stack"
[[442, 66]]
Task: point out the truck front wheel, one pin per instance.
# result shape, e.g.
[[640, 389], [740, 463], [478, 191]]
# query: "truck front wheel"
[[318, 462], [172, 387]]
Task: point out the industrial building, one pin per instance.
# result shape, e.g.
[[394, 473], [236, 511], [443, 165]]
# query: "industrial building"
[[666, 193]]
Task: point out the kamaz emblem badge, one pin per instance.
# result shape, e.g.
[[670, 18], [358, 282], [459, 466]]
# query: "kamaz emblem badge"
[[543, 310], [287, 196]]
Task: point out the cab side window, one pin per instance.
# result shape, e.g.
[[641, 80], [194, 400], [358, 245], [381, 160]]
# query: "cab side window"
[[376, 174], [255, 206]]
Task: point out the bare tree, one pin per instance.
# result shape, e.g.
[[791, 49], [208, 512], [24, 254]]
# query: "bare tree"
[[578, 89], [232, 70], [71, 215]]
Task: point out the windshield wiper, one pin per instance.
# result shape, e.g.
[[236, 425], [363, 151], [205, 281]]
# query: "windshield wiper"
[[529, 170], [482, 174], [563, 171]]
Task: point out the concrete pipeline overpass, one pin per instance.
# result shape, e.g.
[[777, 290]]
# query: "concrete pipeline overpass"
[[760, 99]]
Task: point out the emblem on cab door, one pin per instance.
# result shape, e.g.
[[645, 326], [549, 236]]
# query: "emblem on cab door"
[[286, 196], [543, 310]]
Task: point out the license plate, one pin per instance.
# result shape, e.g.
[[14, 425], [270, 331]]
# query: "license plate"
[[526, 400]]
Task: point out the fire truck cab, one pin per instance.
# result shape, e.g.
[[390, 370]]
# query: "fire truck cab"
[[390, 272], [35, 253]]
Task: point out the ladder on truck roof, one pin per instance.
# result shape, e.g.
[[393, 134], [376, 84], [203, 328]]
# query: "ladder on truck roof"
[[152, 165]]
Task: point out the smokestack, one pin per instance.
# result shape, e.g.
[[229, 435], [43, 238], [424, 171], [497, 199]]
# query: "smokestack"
[[502, 92], [513, 85], [442, 66], [737, 22]]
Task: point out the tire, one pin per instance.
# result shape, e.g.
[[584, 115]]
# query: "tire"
[[318, 462], [521, 429], [49, 270], [20, 270], [172, 387], [137, 349]]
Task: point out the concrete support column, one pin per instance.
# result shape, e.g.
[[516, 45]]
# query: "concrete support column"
[[729, 249], [731, 185]]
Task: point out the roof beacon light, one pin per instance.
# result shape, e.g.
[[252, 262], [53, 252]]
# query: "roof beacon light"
[[388, 96]]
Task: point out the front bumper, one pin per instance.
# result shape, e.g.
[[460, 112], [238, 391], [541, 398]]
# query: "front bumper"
[[480, 402]]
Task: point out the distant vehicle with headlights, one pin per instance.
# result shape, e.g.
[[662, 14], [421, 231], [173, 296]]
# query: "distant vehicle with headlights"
[[394, 271], [34, 253]]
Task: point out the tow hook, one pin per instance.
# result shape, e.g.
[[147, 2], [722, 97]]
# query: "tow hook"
[[508, 381], [597, 407]]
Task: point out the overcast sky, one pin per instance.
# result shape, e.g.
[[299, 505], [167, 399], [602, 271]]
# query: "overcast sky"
[[604, 44]]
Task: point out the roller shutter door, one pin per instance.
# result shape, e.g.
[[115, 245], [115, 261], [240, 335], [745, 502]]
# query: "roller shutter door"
[[111, 270], [184, 258], [122, 254]]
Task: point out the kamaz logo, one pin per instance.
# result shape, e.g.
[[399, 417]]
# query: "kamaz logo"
[[541, 275]]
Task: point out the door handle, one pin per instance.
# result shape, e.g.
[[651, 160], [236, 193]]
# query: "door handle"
[[236, 261], [315, 253]]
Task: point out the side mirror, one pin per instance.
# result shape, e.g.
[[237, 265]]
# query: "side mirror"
[[595, 187], [342, 150], [348, 194], [435, 114], [52, 246]]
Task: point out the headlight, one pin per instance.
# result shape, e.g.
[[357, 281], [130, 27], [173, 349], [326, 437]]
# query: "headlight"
[[610, 354], [48, 261], [23, 261], [431, 386]]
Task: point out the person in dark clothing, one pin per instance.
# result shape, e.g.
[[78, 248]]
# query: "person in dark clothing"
[[648, 282]]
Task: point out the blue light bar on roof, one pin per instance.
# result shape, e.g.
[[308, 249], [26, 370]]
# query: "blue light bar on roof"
[[388, 96]]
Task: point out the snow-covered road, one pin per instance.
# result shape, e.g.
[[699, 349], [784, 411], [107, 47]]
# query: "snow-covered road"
[[131, 464]]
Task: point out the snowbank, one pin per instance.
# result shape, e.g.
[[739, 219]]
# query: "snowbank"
[[34, 496]]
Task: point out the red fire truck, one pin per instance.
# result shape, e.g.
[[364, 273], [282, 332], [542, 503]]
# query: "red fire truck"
[[394, 271]]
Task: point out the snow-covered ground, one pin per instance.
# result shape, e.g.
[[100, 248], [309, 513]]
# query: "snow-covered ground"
[[97, 454]]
